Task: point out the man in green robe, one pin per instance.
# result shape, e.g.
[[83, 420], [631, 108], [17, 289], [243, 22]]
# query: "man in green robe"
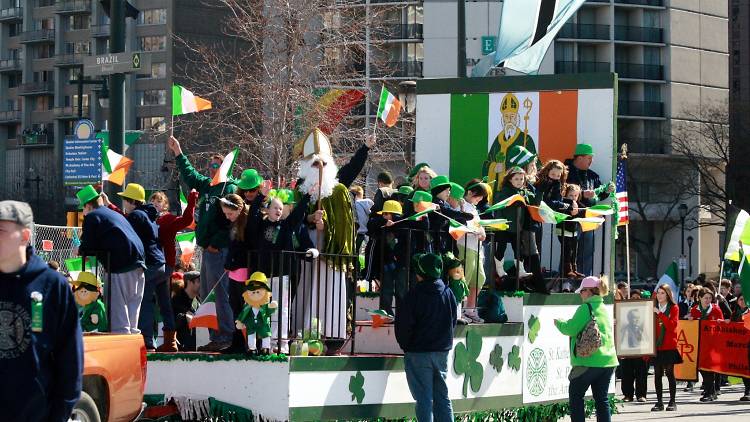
[[496, 163]]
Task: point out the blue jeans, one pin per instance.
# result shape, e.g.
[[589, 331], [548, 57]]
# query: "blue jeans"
[[212, 270], [598, 379], [425, 374], [156, 285], [585, 259]]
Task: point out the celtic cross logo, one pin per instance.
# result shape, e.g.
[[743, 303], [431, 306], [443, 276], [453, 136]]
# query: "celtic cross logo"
[[536, 372]]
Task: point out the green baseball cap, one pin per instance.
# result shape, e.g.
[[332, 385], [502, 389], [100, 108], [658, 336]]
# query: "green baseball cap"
[[421, 196], [85, 195], [439, 181], [584, 149], [249, 180]]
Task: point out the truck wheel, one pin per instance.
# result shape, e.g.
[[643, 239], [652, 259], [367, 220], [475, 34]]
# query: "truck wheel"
[[85, 410]]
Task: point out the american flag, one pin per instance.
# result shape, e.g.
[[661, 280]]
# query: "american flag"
[[621, 191]]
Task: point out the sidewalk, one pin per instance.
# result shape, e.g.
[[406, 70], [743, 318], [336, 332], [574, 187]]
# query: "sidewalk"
[[689, 409]]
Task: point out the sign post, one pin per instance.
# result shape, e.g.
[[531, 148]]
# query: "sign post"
[[82, 156]]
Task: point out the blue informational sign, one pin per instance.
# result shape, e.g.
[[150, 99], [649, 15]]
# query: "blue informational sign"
[[82, 156]]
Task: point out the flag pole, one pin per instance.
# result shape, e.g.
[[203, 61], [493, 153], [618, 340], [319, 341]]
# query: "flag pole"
[[627, 255]]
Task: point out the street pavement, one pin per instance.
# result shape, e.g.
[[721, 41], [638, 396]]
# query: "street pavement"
[[689, 408]]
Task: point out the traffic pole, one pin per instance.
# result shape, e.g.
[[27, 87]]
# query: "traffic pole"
[[116, 84]]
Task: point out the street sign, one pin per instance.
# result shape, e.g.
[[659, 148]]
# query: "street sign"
[[488, 45], [82, 156], [111, 63], [682, 263]]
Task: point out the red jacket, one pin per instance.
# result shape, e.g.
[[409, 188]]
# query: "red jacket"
[[713, 314], [669, 324], [169, 224]]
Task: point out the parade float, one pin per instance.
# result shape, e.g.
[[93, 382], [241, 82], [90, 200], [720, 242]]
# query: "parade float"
[[512, 371]]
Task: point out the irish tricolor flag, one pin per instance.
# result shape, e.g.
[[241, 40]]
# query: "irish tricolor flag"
[[225, 170], [544, 214], [184, 101], [186, 242], [740, 234], [588, 223], [114, 166], [670, 278], [457, 230], [205, 315], [389, 108], [505, 203]]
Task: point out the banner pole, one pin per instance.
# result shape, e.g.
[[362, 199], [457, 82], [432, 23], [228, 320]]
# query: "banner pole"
[[627, 257]]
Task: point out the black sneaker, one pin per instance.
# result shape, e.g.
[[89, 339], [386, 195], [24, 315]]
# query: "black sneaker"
[[657, 407], [707, 398], [671, 407], [746, 397]]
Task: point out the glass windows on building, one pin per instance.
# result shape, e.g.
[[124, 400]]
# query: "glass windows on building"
[[152, 17], [153, 43]]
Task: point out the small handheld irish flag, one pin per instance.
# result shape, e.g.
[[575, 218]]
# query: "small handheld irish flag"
[[389, 107], [186, 242], [505, 203], [205, 315], [544, 214], [114, 166], [226, 167], [184, 101]]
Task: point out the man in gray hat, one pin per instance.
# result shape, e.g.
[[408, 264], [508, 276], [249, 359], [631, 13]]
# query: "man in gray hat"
[[41, 350]]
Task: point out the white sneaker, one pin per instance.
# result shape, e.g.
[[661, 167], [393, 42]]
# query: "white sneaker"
[[499, 269]]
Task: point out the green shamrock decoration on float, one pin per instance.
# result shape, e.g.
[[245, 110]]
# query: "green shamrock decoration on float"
[[496, 358], [356, 384], [534, 326], [465, 361], [514, 358]]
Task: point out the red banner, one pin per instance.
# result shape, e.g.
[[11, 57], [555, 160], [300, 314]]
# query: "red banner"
[[724, 348]]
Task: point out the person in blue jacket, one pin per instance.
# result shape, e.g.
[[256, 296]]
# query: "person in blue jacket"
[[41, 350]]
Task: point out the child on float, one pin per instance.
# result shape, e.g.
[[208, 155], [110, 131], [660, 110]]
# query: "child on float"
[[527, 160], [515, 183], [386, 244], [550, 183], [568, 231], [440, 188], [705, 309], [667, 317]]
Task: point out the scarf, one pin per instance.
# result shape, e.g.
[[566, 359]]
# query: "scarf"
[[662, 328]]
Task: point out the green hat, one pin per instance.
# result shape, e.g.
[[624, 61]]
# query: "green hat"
[[249, 180], [519, 156], [584, 149], [421, 196], [405, 190], [428, 265], [450, 261], [416, 168], [439, 181], [457, 191], [85, 195], [286, 196]]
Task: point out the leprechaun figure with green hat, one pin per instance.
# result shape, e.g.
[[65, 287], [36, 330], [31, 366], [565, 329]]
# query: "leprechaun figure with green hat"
[[454, 270], [512, 135], [255, 317], [93, 314]]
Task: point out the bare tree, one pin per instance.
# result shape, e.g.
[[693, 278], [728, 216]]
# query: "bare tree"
[[266, 77]]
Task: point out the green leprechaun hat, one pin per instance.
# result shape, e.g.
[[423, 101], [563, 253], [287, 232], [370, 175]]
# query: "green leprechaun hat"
[[421, 196], [85, 195], [428, 265], [457, 191], [405, 190], [519, 156], [584, 149], [416, 169], [249, 180], [439, 182]]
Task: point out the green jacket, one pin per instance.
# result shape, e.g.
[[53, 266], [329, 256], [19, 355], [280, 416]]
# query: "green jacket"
[[212, 229], [606, 356], [510, 213], [87, 312], [260, 324]]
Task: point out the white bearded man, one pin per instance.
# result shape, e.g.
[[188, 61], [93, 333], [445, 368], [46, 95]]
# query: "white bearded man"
[[321, 292]]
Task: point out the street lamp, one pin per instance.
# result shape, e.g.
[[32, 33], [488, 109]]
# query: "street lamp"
[[690, 255], [407, 96], [683, 210]]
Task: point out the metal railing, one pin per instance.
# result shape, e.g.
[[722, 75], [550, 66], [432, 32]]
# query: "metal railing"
[[73, 6], [11, 14], [9, 116], [100, 30], [584, 31], [640, 108], [69, 59], [40, 35], [31, 88], [9, 65], [399, 31], [581, 67], [34, 139], [639, 71], [639, 34], [659, 3], [70, 112]]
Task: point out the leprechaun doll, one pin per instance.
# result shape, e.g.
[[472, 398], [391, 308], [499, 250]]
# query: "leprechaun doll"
[[456, 281], [255, 317], [92, 312]]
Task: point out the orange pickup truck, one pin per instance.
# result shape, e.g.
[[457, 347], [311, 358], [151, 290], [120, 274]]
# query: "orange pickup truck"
[[114, 378]]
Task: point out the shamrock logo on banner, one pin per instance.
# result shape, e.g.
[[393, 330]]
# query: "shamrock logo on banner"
[[496, 358], [356, 384], [534, 326], [514, 358], [465, 361]]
